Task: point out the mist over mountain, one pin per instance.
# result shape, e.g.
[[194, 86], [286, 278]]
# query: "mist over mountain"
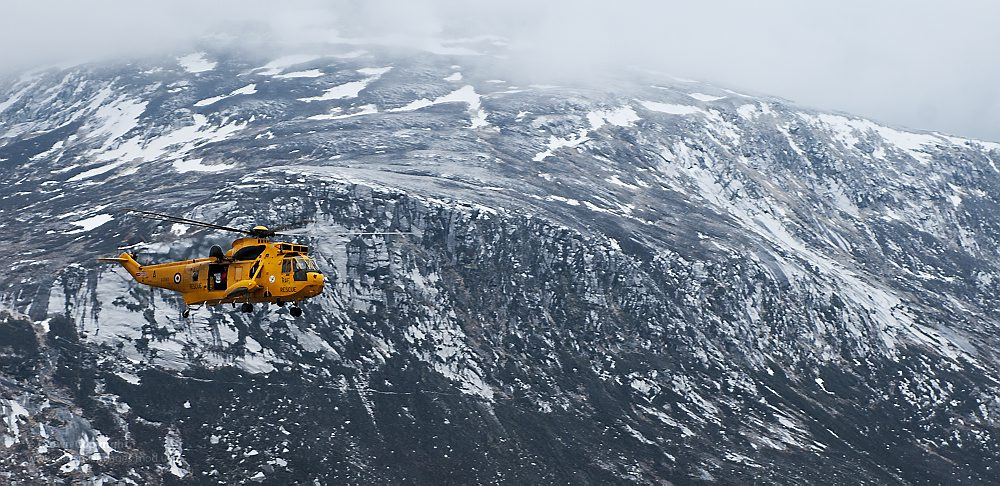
[[911, 63], [643, 279]]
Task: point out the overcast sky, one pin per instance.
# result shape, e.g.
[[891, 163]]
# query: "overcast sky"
[[921, 64]]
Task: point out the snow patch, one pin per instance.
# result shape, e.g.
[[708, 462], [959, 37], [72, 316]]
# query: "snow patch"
[[129, 377], [350, 89], [670, 108], [466, 94], [177, 144], [706, 97], [14, 98], [280, 64], [12, 411], [556, 143], [359, 111], [118, 118], [90, 223], [173, 451], [48, 153], [618, 182], [822, 385], [624, 116], [196, 63], [179, 229], [246, 90], [375, 71], [195, 165], [963, 142], [565, 200], [849, 130], [311, 73], [255, 360], [638, 435], [751, 111], [340, 91], [748, 111]]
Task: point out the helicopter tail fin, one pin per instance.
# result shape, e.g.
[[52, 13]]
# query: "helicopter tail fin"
[[127, 261]]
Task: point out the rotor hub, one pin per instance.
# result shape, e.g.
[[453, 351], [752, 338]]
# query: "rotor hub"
[[261, 232]]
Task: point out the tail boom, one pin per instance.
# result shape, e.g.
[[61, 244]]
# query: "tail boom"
[[129, 263]]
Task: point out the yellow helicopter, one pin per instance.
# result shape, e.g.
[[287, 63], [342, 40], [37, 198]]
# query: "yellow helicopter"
[[254, 270]]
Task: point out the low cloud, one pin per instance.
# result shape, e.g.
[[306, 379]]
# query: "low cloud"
[[918, 64]]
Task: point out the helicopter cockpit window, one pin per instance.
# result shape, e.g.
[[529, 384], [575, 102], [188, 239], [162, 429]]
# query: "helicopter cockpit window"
[[308, 264], [301, 266], [286, 265]]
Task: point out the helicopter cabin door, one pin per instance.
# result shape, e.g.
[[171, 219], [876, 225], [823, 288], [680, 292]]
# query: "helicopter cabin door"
[[218, 276]]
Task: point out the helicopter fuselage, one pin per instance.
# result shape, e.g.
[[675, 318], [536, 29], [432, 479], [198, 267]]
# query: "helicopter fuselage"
[[254, 270]]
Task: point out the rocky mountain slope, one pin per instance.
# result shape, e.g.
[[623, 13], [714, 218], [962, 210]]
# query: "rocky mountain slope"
[[635, 280]]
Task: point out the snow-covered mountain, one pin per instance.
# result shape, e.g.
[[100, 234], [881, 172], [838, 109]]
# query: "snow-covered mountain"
[[638, 280]]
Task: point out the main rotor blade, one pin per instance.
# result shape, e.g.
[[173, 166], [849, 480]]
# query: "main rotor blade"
[[180, 220], [298, 225], [374, 233], [345, 233]]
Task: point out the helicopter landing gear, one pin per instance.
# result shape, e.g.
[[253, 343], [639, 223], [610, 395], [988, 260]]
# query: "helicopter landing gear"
[[280, 303], [246, 308], [186, 313], [295, 311]]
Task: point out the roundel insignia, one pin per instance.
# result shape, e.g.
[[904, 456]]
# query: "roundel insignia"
[[271, 279], [177, 278]]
